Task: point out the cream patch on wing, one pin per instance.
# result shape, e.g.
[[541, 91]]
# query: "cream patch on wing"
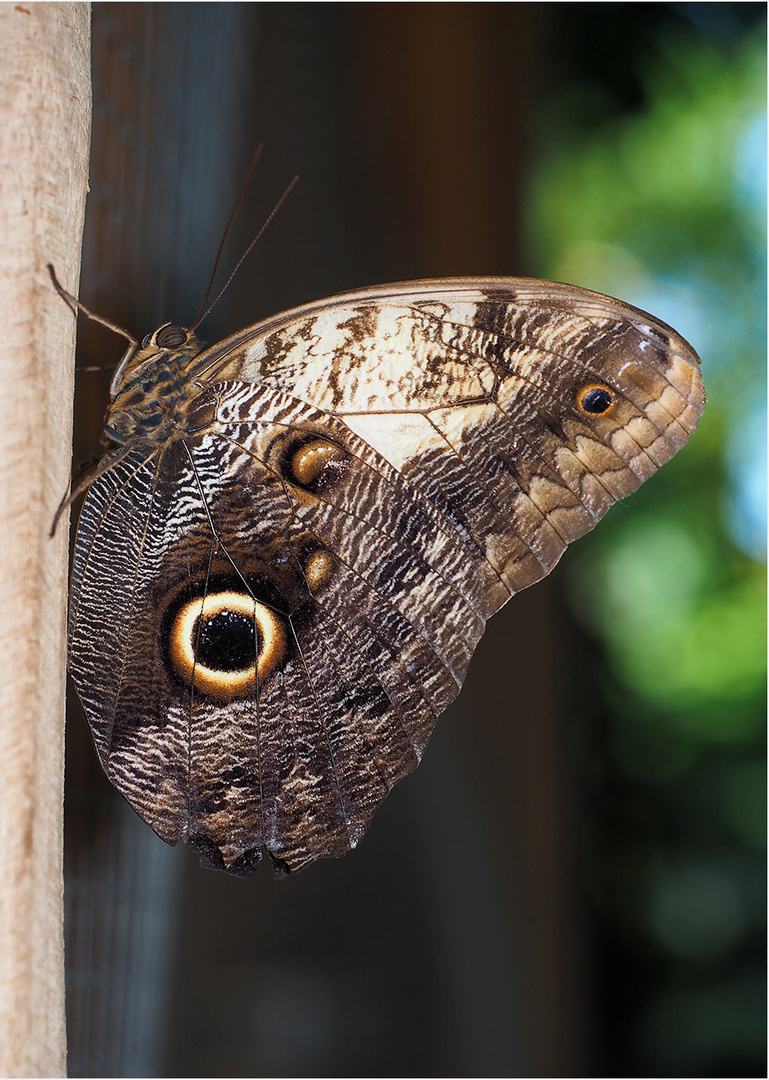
[[369, 357], [398, 437]]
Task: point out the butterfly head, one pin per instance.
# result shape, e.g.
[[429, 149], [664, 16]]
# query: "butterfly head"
[[164, 344], [151, 390]]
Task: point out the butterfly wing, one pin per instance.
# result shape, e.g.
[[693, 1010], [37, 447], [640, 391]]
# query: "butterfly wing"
[[473, 390], [289, 599]]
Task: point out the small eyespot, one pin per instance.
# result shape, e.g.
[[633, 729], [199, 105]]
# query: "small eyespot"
[[595, 400], [318, 568], [318, 462], [170, 336]]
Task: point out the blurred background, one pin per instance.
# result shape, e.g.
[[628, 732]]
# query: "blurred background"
[[573, 882]]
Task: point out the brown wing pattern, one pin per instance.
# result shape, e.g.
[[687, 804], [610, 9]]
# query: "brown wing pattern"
[[270, 611]]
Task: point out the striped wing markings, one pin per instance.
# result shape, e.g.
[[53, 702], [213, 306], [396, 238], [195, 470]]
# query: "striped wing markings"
[[365, 753], [433, 502], [264, 464], [111, 503], [327, 782], [385, 600], [351, 817], [504, 514], [453, 530], [199, 728], [322, 537], [609, 329], [421, 315], [550, 560], [517, 296], [364, 767], [297, 707], [272, 738], [585, 470], [444, 561]]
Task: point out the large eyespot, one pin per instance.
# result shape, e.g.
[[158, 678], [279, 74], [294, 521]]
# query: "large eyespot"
[[170, 336], [225, 643], [315, 463], [596, 400]]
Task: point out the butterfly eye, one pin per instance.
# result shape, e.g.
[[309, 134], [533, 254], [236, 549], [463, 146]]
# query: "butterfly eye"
[[170, 337], [146, 341], [595, 400]]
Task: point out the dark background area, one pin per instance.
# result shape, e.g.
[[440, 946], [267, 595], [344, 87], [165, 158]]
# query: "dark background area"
[[464, 936]]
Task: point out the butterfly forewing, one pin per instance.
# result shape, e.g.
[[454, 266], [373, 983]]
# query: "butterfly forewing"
[[272, 606]]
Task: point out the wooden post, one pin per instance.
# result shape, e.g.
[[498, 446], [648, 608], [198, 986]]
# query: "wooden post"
[[45, 114]]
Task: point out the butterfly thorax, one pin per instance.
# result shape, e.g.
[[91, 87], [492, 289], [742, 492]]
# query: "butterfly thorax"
[[152, 393]]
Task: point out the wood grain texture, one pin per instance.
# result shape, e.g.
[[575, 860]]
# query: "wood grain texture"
[[285, 567], [45, 106]]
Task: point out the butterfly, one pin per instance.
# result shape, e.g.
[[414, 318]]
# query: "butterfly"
[[291, 546]]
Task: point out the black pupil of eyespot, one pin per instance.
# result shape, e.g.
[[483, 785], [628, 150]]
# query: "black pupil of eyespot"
[[226, 642], [171, 336], [596, 400]]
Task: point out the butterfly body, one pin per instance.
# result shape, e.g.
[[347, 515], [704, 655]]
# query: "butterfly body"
[[281, 576]]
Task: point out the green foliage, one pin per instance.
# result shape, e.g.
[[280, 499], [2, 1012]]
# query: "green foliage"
[[666, 208]]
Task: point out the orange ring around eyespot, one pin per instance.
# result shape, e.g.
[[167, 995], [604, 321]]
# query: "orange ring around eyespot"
[[597, 386], [225, 685]]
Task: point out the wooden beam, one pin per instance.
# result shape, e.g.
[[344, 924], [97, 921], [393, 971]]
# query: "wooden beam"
[[45, 115]]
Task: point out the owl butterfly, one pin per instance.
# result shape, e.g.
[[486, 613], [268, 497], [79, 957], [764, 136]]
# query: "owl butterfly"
[[288, 556]]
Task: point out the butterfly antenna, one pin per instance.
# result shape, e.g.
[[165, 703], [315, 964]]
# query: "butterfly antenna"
[[76, 306], [199, 318], [227, 227]]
